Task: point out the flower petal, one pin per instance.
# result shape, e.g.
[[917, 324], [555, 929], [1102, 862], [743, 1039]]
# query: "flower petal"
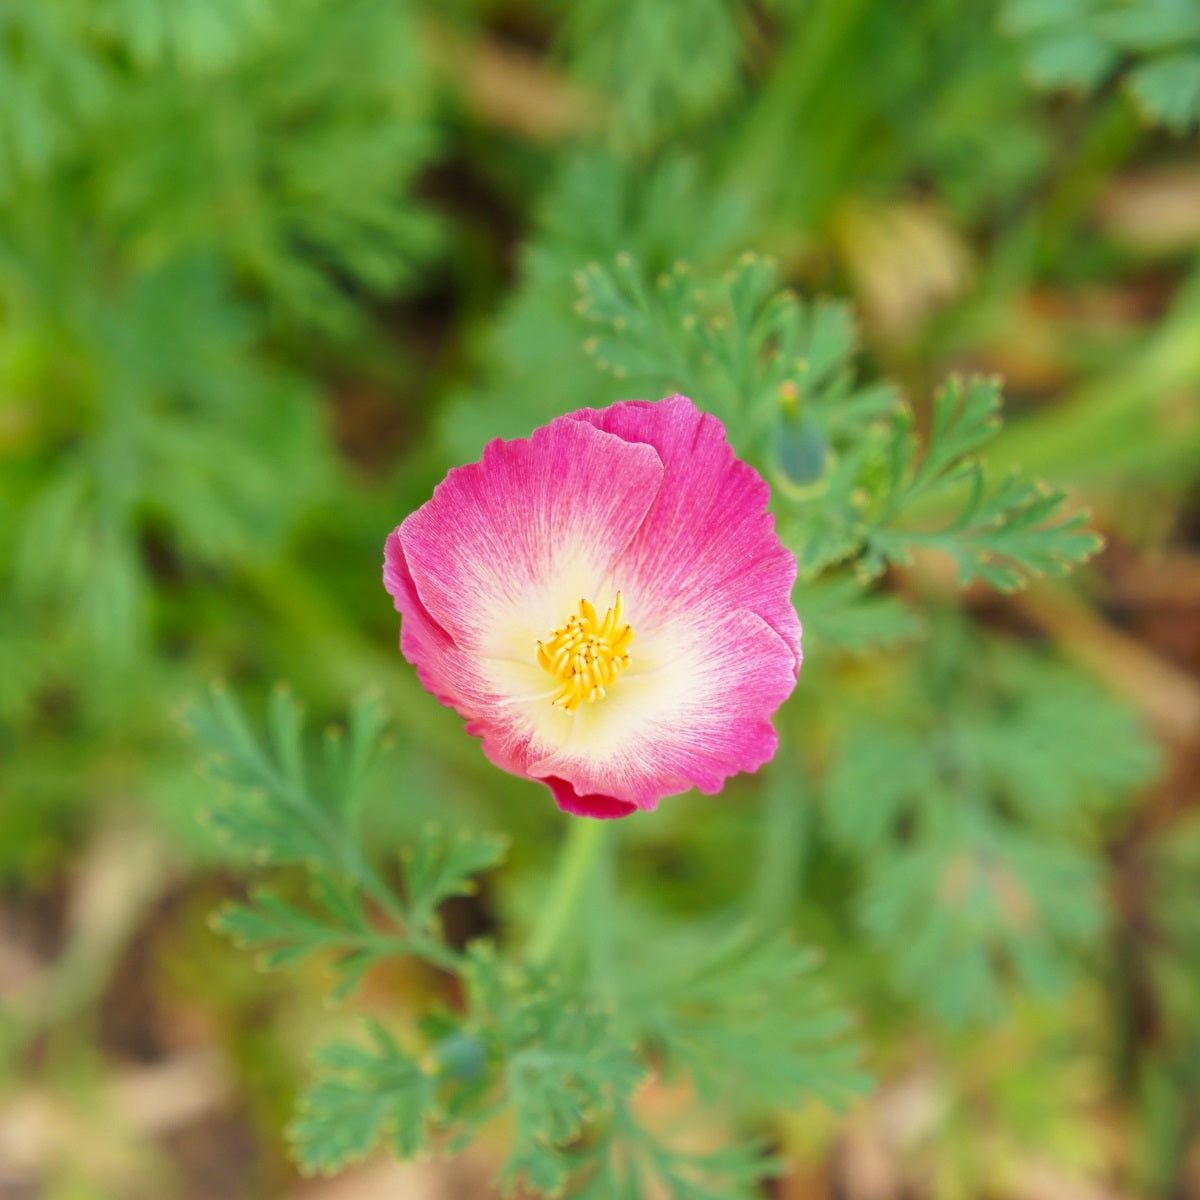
[[458, 678], [708, 545], [569, 800], [645, 498], [511, 542], [454, 677], [694, 719]]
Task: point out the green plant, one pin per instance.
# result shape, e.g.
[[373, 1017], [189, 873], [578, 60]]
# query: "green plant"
[[968, 814], [560, 1037], [1153, 44], [268, 268]]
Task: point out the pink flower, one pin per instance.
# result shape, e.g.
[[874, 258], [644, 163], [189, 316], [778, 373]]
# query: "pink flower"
[[606, 604]]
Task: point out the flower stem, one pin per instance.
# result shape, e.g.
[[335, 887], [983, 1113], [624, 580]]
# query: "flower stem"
[[785, 830], [576, 864]]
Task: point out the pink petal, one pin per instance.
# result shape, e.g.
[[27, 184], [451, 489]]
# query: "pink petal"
[[569, 800], [497, 531], [737, 675], [452, 675], [708, 545], [645, 497]]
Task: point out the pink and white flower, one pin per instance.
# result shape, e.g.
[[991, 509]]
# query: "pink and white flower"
[[606, 604]]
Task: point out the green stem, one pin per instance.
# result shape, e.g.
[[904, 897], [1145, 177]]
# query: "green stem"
[[782, 838], [601, 915], [576, 864], [411, 941]]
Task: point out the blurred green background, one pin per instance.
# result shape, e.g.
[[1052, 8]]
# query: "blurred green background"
[[269, 267]]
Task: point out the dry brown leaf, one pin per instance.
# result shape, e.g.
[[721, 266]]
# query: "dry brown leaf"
[[1156, 211], [511, 88]]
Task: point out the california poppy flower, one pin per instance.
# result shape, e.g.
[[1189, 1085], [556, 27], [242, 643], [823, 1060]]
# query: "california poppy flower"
[[606, 604]]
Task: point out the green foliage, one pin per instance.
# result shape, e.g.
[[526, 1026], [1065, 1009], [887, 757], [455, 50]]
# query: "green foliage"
[[283, 147], [256, 293], [854, 484], [363, 1094], [282, 809], [336, 132], [284, 934], [969, 801], [738, 333], [276, 806], [839, 614], [1154, 44], [157, 440], [187, 193], [438, 868], [221, 127], [854, 100], [659, 68], [198, 38], [565, 1064], [1004, 535], [711, 1003], [736, 1015], [528, 1044], [635, 1160], [51, 84], [595, 208]]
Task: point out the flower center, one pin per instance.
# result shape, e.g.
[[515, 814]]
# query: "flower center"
[[586, 654]]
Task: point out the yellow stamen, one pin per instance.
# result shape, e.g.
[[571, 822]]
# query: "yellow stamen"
[[586, 654]]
